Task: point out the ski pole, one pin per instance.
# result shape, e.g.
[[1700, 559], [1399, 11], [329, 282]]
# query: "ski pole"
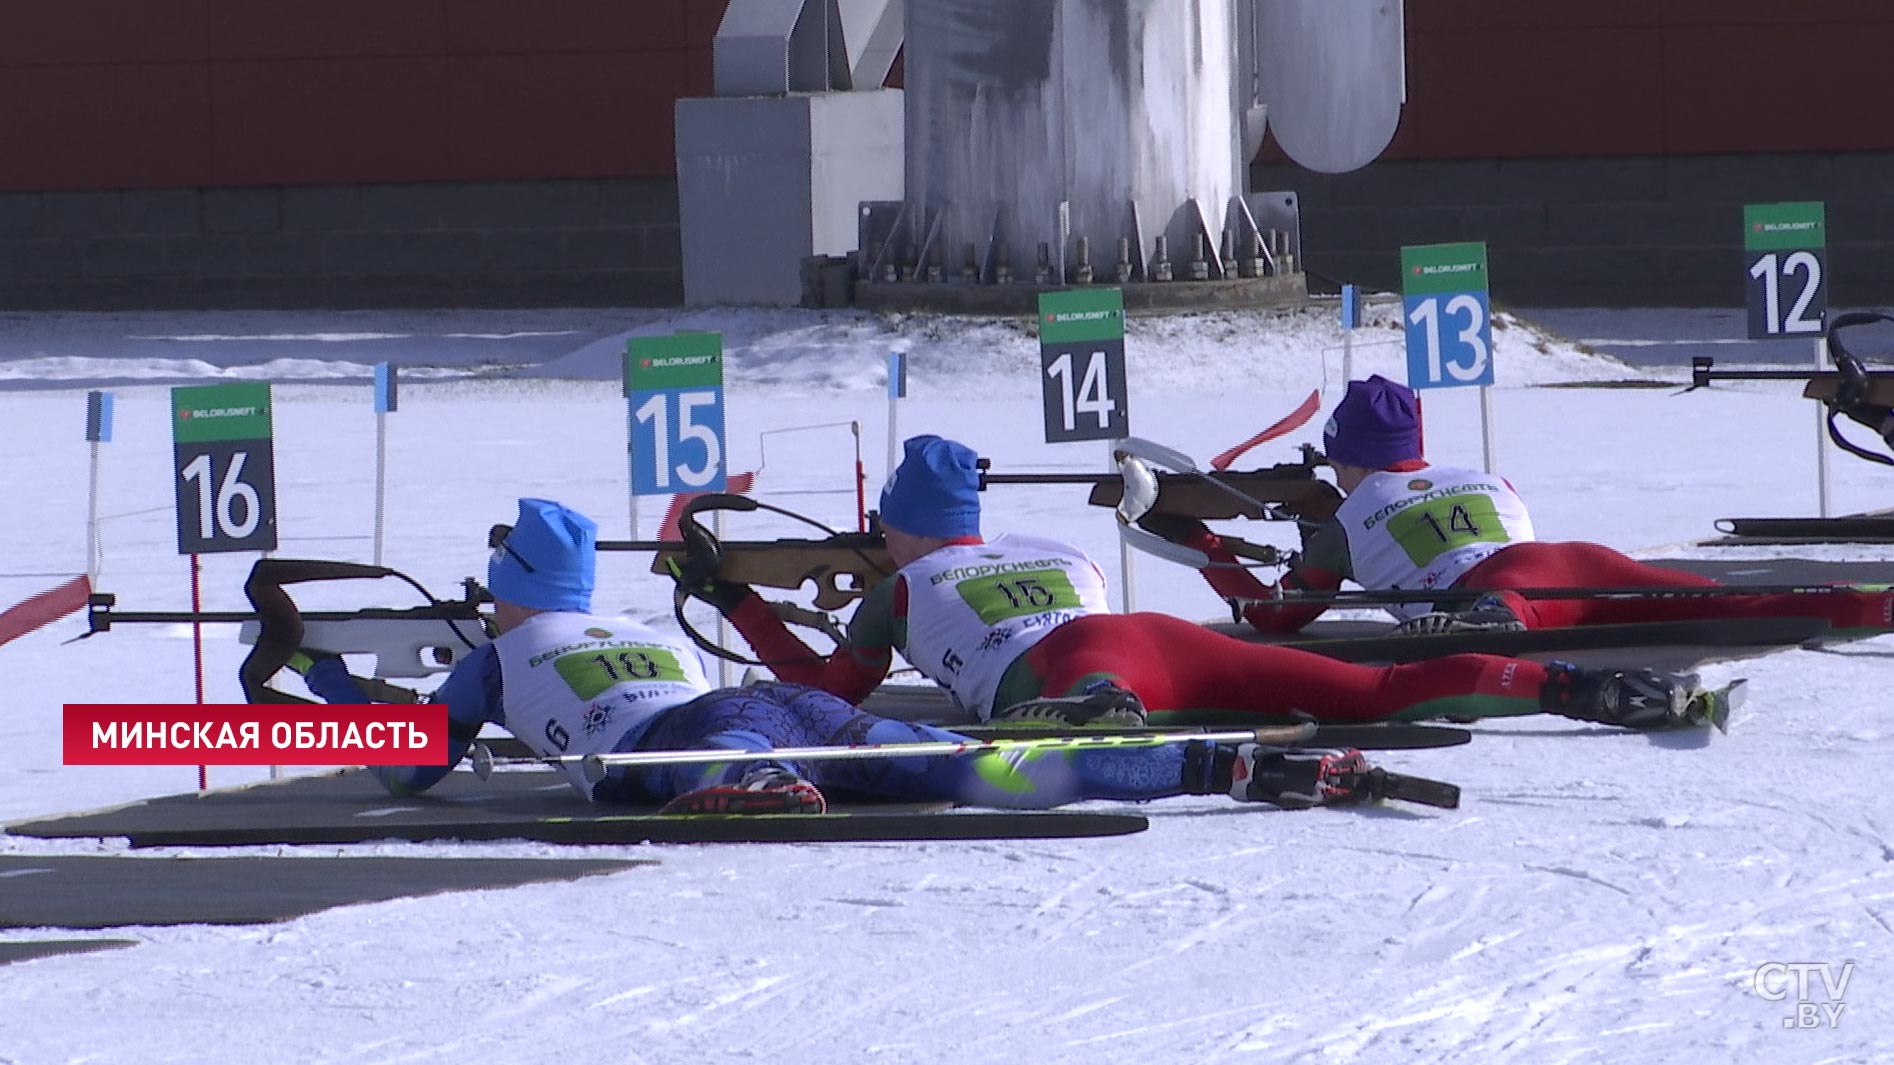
[[595, 765]]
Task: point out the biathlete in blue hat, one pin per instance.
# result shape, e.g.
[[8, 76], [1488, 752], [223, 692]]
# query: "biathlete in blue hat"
[[1018, 627], [1408, 525], [569, 683]]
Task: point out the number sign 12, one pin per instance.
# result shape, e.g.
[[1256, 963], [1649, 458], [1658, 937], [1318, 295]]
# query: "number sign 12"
[[1082, 363], [674, 388], [1449, 316], [1785, 258], [225, 463]]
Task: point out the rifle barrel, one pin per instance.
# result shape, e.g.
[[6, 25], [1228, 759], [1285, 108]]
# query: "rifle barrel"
[[1050, 478], [846, 542]]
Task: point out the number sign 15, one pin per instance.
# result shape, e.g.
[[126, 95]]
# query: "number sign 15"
[[674, 385]]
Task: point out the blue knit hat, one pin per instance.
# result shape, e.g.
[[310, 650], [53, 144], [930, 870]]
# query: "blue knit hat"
[[935, 491], [548, 560], [1375, 426]]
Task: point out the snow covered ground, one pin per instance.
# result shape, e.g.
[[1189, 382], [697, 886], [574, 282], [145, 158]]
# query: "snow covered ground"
[[1600, 897]]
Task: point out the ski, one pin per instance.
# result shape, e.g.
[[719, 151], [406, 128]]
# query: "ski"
[[862, 825], [1857, 529], [1393, 736], [1382, 784], [1717, 632]]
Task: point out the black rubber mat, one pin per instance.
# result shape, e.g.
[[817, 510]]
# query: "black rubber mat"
[[28, 949], [351, 807], [91, 891]]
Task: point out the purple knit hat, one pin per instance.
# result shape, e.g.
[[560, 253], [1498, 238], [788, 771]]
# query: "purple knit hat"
[[1374, 426]]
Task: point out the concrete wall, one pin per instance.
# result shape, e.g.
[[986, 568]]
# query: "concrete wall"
[[599, 242], [1636, 231]]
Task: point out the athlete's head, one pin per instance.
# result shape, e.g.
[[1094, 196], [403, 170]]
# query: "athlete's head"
[[935, 492], [546, 561], [1375, 426]]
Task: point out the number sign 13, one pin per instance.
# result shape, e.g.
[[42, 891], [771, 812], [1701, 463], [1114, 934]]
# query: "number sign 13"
[[674, 385], [1449, 316]]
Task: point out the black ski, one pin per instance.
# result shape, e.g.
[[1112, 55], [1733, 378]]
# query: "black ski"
[[866, 825], [1381, 784], [1856, 529], [1718, 632], [1393, 736]]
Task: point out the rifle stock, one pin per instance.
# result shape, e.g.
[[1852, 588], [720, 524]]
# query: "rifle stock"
[[842, 567]]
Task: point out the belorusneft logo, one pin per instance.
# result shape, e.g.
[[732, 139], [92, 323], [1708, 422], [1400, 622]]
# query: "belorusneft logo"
[[668, 361], [189, 414], [1448, 268], [1082, 316], [1786, 227]]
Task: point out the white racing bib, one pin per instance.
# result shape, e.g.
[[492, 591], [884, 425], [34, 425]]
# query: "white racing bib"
[[974, 609], [573, 684], [1426, 528]]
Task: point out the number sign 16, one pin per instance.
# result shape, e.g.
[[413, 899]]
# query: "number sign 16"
[[226, 470]]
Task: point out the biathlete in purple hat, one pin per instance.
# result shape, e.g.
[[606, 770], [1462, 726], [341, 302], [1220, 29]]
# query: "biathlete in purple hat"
[[1017, 627], [1408, 525]]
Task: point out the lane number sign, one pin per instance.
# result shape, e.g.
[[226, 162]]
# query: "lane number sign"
[[225, 465], [1785, 264], [1082, 365], [1449, 315], [674, 393]]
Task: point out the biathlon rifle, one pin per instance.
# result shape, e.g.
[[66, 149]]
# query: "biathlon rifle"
[[1287, 491], [406, 642], [1850, 390]]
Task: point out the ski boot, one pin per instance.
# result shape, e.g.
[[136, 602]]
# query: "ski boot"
[[1489, 613], [769, 788], [1643, 699], [1296, 778], [1102, 704]]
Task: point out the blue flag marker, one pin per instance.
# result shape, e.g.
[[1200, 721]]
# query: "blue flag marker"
[[1351, 307], [385, 399], [897, 375], [98, 417]]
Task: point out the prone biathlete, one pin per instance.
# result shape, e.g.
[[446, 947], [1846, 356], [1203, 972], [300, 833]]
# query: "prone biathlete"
[[1408, 525], [569, 683], [1017, 627]]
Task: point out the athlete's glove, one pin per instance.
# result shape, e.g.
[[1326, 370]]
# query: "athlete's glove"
[[697, 573]]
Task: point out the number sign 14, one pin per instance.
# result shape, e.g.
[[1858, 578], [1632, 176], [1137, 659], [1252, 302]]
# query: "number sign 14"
[[1082, 363]]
